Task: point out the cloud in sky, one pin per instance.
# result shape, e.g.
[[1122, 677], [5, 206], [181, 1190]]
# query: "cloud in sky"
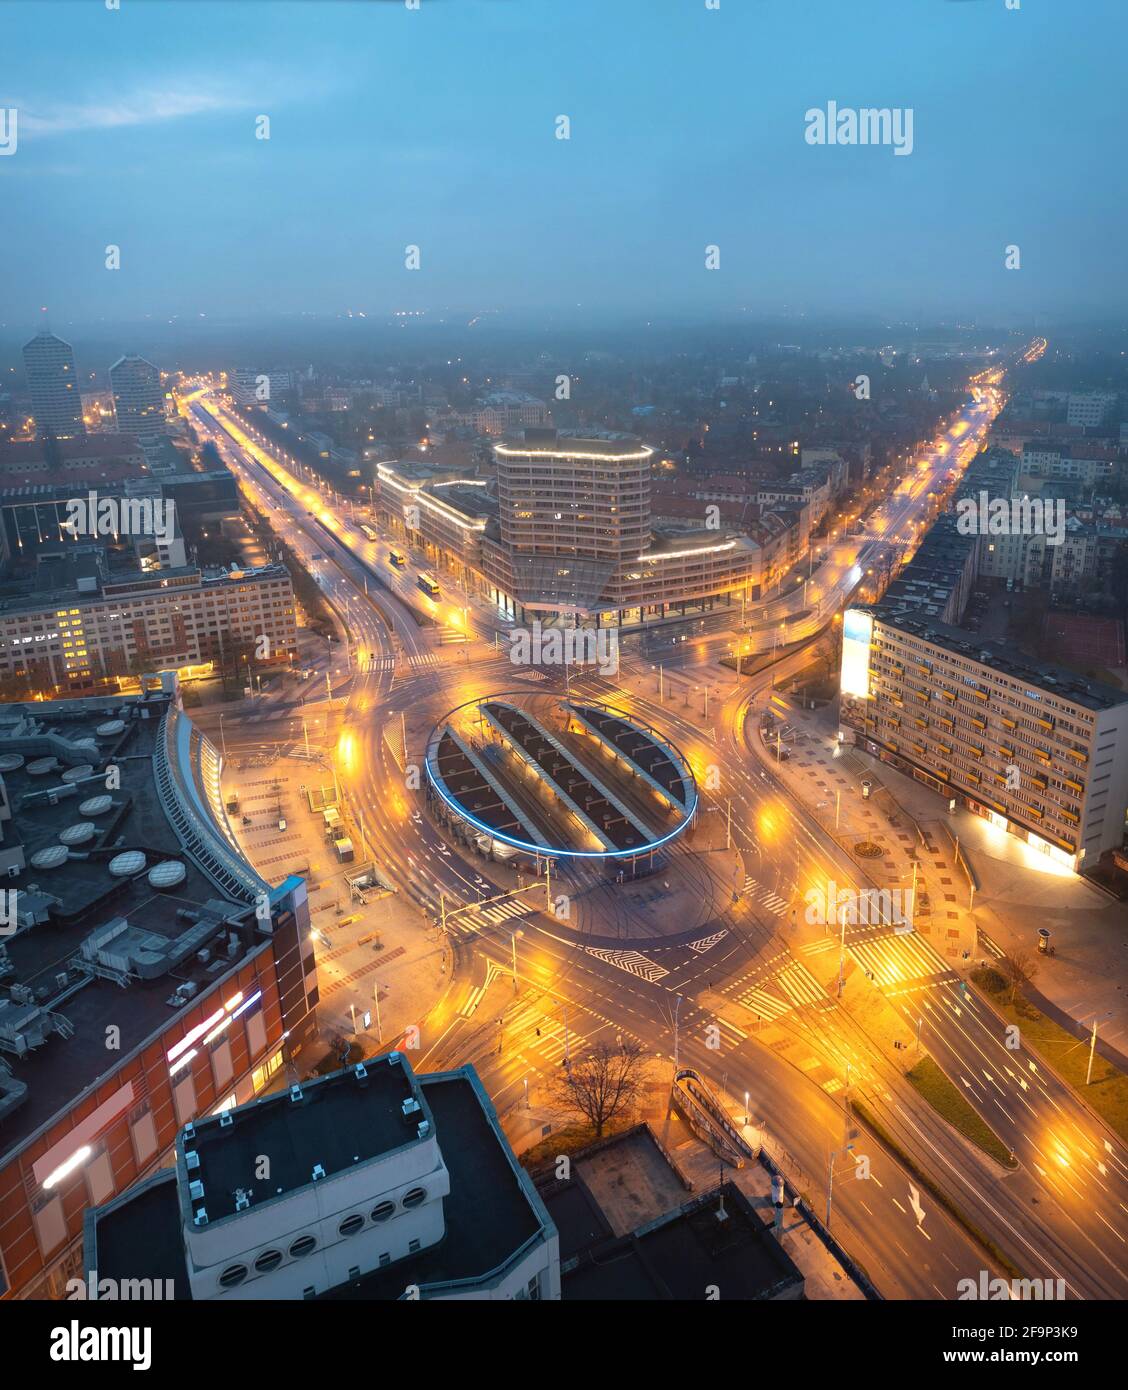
[[176, 99]]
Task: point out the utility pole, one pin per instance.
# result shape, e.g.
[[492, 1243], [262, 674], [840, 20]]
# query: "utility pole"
[[376, 1000], [677, 1006], [841, 948], [548, 885], [513, 940], [1092, 1050], [728, 825]]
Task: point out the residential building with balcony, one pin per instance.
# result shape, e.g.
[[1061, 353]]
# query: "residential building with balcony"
[[1034, 749]]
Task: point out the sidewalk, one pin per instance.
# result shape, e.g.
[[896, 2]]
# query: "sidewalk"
[[1017, 890], [826, 779], [384, 945]]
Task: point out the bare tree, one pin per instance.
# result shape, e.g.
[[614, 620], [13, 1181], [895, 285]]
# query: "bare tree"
[[603, 1082], [1021, 967]]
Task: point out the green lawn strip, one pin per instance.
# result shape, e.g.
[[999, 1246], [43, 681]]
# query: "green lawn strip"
[[944, 1096], [1107, 1093], [906, 1160]]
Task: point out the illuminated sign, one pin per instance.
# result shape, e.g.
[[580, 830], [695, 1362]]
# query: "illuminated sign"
[[857, 631]]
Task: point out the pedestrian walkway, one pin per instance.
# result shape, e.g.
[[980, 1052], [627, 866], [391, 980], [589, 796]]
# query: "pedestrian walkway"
[[792, 987], [902, 963], [754, 889], [469, 923]]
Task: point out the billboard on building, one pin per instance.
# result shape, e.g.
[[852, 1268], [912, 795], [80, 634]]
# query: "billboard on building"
[[857, 630]]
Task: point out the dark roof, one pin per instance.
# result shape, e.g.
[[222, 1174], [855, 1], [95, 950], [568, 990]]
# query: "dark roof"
[[678, 1257], [340, 1120], [492, 1210]]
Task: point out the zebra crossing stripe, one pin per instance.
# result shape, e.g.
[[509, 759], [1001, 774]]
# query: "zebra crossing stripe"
[[772, 901], [467, 1010], [898, 960], [800, 985], [816, 948], [764, 1004]]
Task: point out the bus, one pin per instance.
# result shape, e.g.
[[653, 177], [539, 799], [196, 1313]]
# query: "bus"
[[429, 585], [369, 533], [397, 558]]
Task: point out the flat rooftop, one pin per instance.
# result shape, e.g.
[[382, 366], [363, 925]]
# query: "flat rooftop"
[[491, 1211], [338, 1121], [544, 440], [629, 1231], [1007, 660], [79, 895]]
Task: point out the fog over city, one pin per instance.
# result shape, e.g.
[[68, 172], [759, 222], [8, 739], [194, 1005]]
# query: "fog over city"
[[563, 684]]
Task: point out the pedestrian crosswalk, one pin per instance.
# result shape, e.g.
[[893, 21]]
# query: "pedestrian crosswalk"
[[897, 963], [379, 663], [477, 994], [529, 1026], [754, 889], [468, 923], [792, 987], [424, 661], [800, 985]]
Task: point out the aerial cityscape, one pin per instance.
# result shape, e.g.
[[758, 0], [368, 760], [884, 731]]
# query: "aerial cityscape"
[[563, 692]]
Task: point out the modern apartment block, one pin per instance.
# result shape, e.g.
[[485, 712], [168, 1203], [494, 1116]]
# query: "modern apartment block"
[[167, 619], [56, 400], [251, 387], [139, 400], [152, 977], [371, 1184], [575, 536], [1077, 461], [1034, 749], [567, 531], [1089, 408]]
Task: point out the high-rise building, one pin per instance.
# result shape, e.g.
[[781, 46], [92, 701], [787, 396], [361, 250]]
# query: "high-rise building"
[[138, 400], [157, 925], [575, 534], [570, 534], [1032, 748], [383, 1185], [56, 402]]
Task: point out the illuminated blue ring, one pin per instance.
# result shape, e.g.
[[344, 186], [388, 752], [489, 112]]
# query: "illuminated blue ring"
[[460, 811]]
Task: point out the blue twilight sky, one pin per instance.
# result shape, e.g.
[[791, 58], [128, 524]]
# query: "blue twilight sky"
[[436, 127]]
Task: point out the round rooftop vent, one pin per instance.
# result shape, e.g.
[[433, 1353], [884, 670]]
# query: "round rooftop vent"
[[167, 875], [95, 805], [76, 774], [125, 865], [53, 857], [110, 728], [10, 761], [79, 833], [41, 766]]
